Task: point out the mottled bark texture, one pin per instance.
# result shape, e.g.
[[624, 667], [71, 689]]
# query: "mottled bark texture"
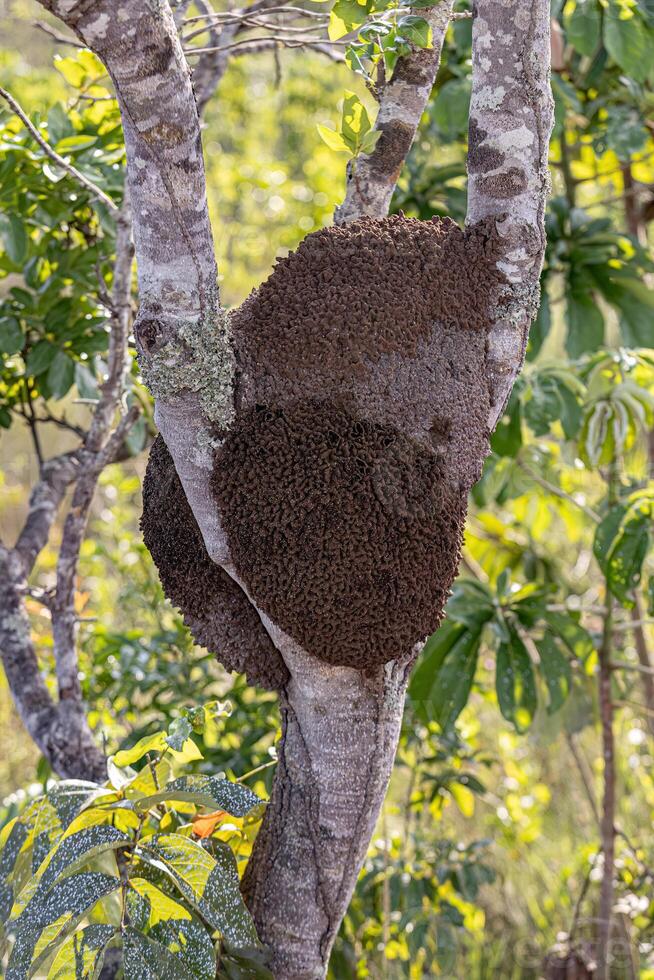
[[58, 728], [326, 436], [371, 178], [511, 116]]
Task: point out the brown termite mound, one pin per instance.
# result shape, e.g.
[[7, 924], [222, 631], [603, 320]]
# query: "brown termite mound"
[[215, 609], [361, 425]]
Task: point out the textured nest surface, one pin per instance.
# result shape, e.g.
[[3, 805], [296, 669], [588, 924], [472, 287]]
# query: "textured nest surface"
[[345, 531], [362, 411], [215, 609]]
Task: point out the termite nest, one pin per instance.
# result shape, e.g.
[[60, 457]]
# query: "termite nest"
[[361, 423]]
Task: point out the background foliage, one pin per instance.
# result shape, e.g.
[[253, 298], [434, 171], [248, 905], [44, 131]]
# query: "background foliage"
[[486, 855]]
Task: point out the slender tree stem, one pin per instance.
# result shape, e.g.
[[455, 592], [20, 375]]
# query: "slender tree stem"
[[607, 824]]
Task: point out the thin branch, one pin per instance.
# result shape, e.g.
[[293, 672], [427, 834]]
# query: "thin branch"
[[54, 156], [402, 102], [99, 449], [607, 823], [56, 35], [558, 491]]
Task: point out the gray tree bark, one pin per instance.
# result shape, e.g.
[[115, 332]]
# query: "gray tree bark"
[[341, 724]]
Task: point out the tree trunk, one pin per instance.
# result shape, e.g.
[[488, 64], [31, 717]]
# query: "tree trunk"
[[340, 733]]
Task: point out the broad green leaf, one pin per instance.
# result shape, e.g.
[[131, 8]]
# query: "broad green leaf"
[[174, 926], [507, 438], [416, 30], [11, 335], [8, 858], [80, 956], [583, 26], [14, 237], [146, 959], [585, 325], [450, 109], [515, 682], [453, 681], [40, 357], [59, 124], [211, 885], [150, 743], [333, 139], [574, 637], [42, 923], [79, 141], [345, 16], [76, 850], [556, 671], [215, 792], [61, 375], [178, 731], [621, 544], [627, 40], [431, 658]]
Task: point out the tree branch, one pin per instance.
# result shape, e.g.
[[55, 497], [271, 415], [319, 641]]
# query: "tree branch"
[[184, 347], [511, 119], [371, 178]]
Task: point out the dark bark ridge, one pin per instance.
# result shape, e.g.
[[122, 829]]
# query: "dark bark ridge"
[[361, 425]]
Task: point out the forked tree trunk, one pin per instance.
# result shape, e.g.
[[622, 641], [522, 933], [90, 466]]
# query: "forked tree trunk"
[[326, 436]]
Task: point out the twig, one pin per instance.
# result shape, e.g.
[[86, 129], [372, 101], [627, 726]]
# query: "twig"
[[57, 35], [558, 492], [625, 665], [54, 156], [585, 781]]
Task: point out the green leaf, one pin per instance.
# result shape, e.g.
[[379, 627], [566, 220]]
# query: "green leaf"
[[627, 40], [585, 324], [345, 16], [583, 26], [621, 544], [574, 637], [14, 237], [556, 671], [453, 681], [507, 437], [59, 124], [211, 885], [179, 730], [40, 925], [80, 957], [333, 139], [149, 743], [431, 658], [416, 30], [174, 926], [85, 381], [40, 357], [515, 682], [8, 858], [76, 850], [215, 792], [11, 335], [146, 959], [79, 141], [61, 375]]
